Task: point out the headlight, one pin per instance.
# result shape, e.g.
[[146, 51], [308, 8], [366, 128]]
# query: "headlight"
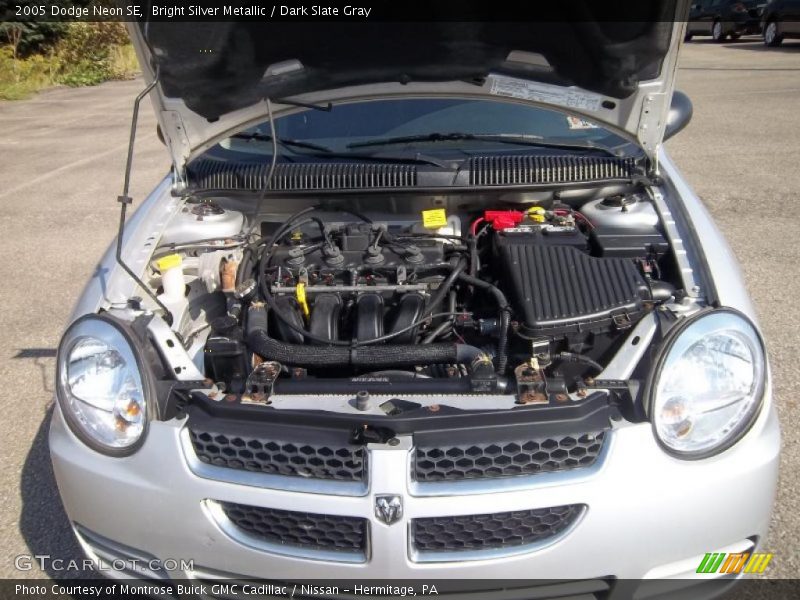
[[708, 384], [102, 388]]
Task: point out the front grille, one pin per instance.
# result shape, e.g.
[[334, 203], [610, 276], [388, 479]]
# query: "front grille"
[[506, 459], [526, 170], [492, 531], [279, 457], [300, 529]]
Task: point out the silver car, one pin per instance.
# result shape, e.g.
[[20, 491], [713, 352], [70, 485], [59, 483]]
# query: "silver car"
[[416, 302]]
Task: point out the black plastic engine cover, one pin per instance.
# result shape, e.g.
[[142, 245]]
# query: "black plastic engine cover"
[[557, 289]]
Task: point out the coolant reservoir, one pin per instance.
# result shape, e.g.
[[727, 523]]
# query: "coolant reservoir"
[[453, 226], [437, 220], [621, 212]]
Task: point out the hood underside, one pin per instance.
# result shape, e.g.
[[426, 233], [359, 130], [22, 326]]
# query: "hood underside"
[[213, 77]]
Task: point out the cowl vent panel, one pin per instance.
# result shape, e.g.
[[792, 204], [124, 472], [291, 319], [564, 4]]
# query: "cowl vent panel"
[[213, 174], [526, 170]]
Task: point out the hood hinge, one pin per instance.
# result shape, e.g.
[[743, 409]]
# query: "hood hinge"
[[179, 184], [650, 124]]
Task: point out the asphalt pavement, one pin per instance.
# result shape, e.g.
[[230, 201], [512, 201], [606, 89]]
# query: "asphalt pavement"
[[62, 156]]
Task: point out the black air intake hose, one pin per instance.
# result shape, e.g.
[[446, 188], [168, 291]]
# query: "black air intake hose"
[[501, 358], [397, 355]]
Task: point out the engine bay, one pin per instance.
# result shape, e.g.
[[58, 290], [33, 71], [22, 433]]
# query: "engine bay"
[[530, 299]]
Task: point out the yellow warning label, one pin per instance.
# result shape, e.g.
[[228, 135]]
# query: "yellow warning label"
[[434, 218]]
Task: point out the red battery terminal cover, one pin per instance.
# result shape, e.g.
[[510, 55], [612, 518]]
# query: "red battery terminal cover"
[[503, 219]]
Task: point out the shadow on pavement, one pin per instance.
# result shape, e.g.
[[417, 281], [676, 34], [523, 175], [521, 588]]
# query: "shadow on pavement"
[[708, 41], [43, 523], [787, 47], [41, 358]]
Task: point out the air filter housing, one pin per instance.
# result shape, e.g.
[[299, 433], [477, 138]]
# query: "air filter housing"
[[557, 289]]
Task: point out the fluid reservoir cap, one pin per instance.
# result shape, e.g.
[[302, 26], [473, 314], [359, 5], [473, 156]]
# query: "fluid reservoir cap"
[[170, 261]]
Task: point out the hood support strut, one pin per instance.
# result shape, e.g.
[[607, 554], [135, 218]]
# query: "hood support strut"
[[125, 199]]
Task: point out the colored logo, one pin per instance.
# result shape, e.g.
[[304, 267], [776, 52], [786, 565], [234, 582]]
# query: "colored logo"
[[744, 562]]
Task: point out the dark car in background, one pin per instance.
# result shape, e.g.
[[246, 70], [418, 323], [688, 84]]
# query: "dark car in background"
[[724, 18], [780, 19]]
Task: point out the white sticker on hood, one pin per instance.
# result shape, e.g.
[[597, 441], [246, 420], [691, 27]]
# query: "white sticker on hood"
[[578, 123], [543, 92]]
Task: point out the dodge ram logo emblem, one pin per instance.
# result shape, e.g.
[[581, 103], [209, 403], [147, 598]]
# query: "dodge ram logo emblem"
[[388, 508]]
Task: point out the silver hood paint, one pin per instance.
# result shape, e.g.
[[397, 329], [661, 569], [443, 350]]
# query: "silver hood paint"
[[638, 112]]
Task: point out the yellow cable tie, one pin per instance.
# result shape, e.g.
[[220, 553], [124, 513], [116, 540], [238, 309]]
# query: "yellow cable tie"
[[300, 294]]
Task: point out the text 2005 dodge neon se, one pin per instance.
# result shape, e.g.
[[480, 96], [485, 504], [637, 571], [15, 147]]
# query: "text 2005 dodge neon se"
[[424, 301]]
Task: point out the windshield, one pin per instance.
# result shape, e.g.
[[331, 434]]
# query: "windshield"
[[348, 124]]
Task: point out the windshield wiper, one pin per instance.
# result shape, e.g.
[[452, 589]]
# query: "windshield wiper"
[[320, 151], [263, 137], [410, 157], [502, 138]]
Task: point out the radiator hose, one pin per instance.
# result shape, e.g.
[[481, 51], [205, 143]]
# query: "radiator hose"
[[390, 355]]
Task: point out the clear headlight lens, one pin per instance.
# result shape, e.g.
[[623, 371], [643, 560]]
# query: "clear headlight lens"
[[100, 386], [709, 384]]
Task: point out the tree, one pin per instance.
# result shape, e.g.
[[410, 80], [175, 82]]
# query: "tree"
[[28, 37], [13, 32]]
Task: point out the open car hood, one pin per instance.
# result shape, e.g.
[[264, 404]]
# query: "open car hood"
[[213, 77]]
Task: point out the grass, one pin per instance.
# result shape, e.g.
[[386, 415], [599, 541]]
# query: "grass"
[[124, 62], [22, 77]]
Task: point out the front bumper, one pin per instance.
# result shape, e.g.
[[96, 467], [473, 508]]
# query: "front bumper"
[[647, 515]]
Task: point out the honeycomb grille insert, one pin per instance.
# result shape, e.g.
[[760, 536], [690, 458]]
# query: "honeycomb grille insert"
[[506, 459], [300, 529], [492, 531], [276, 457]]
